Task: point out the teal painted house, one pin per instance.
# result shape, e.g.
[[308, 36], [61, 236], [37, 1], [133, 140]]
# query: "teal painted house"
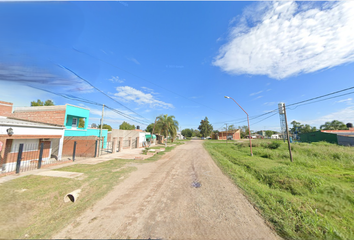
[[73, 116], [68, 115]]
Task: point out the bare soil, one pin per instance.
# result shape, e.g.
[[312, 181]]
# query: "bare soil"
[[184, 195]]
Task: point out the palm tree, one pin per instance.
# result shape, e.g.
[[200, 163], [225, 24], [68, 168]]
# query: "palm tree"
[[334, 125], [167, 125]]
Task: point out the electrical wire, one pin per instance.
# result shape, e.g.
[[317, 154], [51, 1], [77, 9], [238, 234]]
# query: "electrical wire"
[[148, 81], [100, 90], [95, 103]]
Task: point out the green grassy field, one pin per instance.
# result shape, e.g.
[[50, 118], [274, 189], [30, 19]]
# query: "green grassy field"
[[310, 198], [33, 206]]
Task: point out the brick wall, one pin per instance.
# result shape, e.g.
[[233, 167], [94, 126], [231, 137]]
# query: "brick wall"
[[5, 108], [235, 136], [9, 156], [85, 146], [53, 117]]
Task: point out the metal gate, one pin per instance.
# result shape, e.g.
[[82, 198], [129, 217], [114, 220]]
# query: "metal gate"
[[107, 149], [27, 156], [134, 143]]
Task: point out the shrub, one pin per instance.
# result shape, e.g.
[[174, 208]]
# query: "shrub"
[[274, 145]]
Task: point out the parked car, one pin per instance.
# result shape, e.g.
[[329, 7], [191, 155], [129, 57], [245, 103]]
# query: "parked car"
[[202, 138]]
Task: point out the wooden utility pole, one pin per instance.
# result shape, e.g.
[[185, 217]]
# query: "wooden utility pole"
[[287, 132], [101, 142], [226, 132], [153, 129]]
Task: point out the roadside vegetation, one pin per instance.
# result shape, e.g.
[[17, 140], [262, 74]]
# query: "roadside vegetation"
[[33, 207], [310, 198]]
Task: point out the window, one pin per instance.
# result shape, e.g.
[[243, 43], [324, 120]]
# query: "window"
[[28, 145], [74, 123]]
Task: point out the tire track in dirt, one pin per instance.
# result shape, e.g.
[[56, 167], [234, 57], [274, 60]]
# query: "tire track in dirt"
[[161, 200]]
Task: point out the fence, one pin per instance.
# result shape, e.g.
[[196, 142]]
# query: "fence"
[[108, 149], [25, 157]]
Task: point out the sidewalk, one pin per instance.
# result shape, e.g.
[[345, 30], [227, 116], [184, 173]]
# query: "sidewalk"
[[125, 154]]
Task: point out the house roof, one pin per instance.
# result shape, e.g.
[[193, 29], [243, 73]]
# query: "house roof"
[[10, 121], [233, 131], [45, 108]]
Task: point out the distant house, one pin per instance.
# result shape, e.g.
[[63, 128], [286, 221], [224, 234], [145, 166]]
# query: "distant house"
[[234, 134], [179, 136], [135, 138], [275, 136]]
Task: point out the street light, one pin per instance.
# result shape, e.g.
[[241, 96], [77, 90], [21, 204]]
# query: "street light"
[[249, 130]]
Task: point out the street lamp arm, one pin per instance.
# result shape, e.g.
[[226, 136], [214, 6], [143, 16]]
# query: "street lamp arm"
[[239, 105], [248, 121]]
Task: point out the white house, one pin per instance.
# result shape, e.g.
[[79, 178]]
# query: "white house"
[[14, 132]]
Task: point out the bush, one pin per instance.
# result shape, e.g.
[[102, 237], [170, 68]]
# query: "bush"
[[274, 145]]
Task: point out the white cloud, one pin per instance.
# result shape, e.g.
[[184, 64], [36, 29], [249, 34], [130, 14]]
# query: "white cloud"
[[269, 103], [348, 101], [252, 94], [131, 94], [282, 39], [344, 115], [134, 60], [258, 97], [116, 79]]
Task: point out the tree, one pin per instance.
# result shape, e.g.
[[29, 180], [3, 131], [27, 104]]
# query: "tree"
[[49, 103], [187, 132], [81, 122], [205, 127], [126, 126], [105, 126], [40, 103], [243, 131], [196, 133], [300, 128], [334, 125], [150, 127], [167, 125], [269, 133]]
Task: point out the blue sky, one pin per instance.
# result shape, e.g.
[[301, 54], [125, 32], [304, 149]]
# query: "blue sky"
[[181, 59]]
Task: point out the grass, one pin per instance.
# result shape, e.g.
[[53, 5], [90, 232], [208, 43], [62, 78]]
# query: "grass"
[[33, 206], [310, 198]]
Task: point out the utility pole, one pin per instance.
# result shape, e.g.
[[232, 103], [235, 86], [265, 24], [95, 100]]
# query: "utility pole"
[[226, 132], [287, 132], [101, 142], [153, 129]]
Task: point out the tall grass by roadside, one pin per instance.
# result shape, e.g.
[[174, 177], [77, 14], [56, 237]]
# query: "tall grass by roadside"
[[311, 198]]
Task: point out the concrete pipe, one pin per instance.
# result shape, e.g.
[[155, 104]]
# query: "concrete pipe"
[[72, 196]]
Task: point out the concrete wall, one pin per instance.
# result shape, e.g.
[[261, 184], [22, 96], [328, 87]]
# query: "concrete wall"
[[346, 140], [126, 134]]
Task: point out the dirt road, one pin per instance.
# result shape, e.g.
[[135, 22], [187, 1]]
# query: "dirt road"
[[184, 195]]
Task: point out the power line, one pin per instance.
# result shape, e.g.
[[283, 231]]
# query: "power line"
[[100, 91], [301, 103], [321, 96], [147, 80], [95, 103]]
